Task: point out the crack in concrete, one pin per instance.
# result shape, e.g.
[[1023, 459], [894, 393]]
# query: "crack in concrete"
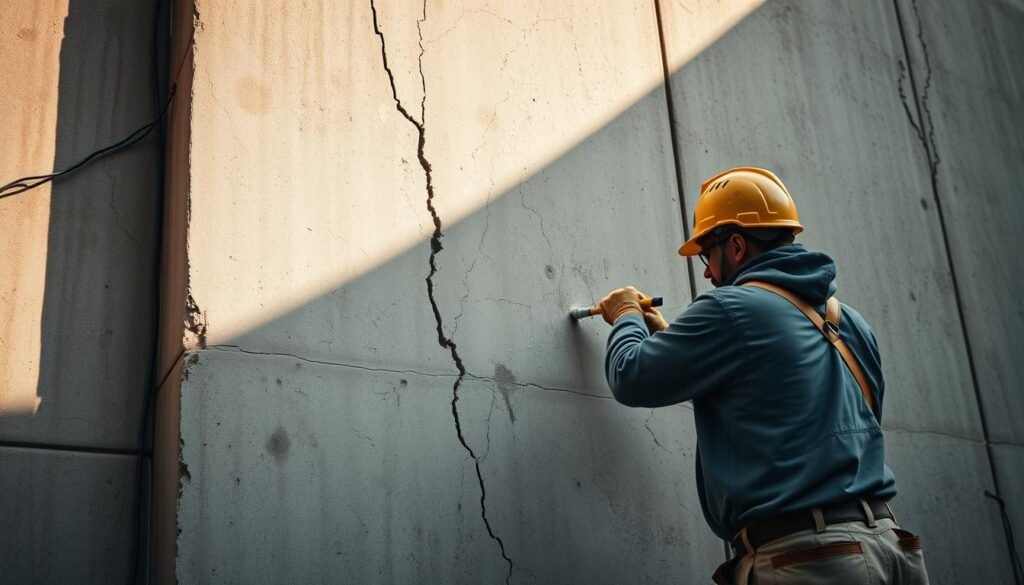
[[924, 127], [113, 208], [522, 201], [229, 348], [225, 347], [647, 425], [435, 248], [932, 148], [899, 430], [905, 99]]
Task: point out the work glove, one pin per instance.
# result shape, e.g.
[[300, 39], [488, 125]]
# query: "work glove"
[[620, 302], [655, 321]]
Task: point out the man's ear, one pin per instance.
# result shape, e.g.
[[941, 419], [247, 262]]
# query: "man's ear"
[[738, 246]]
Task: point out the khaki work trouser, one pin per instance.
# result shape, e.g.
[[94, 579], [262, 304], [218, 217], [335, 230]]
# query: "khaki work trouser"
[[847, 553]]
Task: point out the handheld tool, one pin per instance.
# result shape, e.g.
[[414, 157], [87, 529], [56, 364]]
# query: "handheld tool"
[[577, 313]]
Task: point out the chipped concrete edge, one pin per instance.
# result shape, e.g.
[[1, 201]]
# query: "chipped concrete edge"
[[183, 324]]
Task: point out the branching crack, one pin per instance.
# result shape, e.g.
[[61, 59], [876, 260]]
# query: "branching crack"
[[435, 248], [924, 127]]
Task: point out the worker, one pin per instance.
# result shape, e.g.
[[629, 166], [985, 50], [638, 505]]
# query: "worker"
[[787, 392]]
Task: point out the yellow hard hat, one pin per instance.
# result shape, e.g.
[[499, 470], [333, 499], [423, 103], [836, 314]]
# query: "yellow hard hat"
[[747, 197]]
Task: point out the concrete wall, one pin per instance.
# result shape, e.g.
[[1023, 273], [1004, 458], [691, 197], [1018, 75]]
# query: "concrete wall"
[[392, 206], [76, 286], [378, 214]]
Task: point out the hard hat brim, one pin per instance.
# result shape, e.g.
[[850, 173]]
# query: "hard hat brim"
[[692, 248]]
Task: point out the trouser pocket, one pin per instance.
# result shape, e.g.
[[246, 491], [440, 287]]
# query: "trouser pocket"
[[725, 574], [913, 568], [833, 563]]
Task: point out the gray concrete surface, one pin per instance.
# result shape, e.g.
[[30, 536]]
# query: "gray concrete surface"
[[67, 517], [360, 473], [1009, 461], [942, 482], [824, 110], [966, 60]]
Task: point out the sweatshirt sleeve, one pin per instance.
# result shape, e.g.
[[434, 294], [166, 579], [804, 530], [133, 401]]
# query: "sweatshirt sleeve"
[[696, 354]]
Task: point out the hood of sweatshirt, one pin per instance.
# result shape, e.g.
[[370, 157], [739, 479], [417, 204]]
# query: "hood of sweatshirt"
[[809, 275]]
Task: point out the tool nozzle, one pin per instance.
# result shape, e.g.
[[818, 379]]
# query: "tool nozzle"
[[577, 313]]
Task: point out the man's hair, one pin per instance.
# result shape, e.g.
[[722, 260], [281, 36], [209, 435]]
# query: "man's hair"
[[764, 239], [768, 238]]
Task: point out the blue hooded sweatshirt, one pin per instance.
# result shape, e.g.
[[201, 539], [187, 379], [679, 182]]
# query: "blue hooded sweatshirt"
[[781, 422]]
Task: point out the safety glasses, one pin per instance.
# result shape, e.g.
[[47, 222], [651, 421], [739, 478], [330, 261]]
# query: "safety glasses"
[[705, 253]]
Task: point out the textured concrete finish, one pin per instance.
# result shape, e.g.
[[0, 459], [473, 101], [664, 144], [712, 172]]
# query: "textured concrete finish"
[[326, 229], [388, 210], [67, 518], [966, 74], [966, 54], [1009, 461], [824, 110], [76, 285], [819, 92], [942, 482], [76, 256], [359, 472]]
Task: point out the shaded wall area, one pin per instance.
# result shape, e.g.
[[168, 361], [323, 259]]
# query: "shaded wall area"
[[76, 286]]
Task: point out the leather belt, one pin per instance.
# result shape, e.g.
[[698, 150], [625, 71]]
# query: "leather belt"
[[761, 532]]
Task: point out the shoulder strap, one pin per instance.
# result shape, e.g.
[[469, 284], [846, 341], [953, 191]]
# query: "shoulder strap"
[[829, 327]]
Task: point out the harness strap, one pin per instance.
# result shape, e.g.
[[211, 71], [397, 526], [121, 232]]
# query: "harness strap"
[[829, 327]]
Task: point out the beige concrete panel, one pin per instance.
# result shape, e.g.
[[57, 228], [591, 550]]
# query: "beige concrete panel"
[[603, 214], [942, 482], [1009, 461], [76, 256], [31, 40], [304, 178], [968, 72], [296, 471], [67, 517], [812, 91], [335, 270]]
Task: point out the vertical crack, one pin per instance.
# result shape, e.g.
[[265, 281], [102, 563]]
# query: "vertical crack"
[[927, 136], [923, 127], [435, 248]]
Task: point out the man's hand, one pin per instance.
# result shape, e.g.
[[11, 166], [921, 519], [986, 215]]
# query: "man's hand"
[[620, 302], [655, 322]]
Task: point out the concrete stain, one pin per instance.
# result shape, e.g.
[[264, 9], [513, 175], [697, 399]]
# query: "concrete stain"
[[278, 443], [253, 96], [506, 384]]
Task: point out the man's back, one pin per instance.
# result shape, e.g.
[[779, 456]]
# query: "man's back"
[[781, 422]]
